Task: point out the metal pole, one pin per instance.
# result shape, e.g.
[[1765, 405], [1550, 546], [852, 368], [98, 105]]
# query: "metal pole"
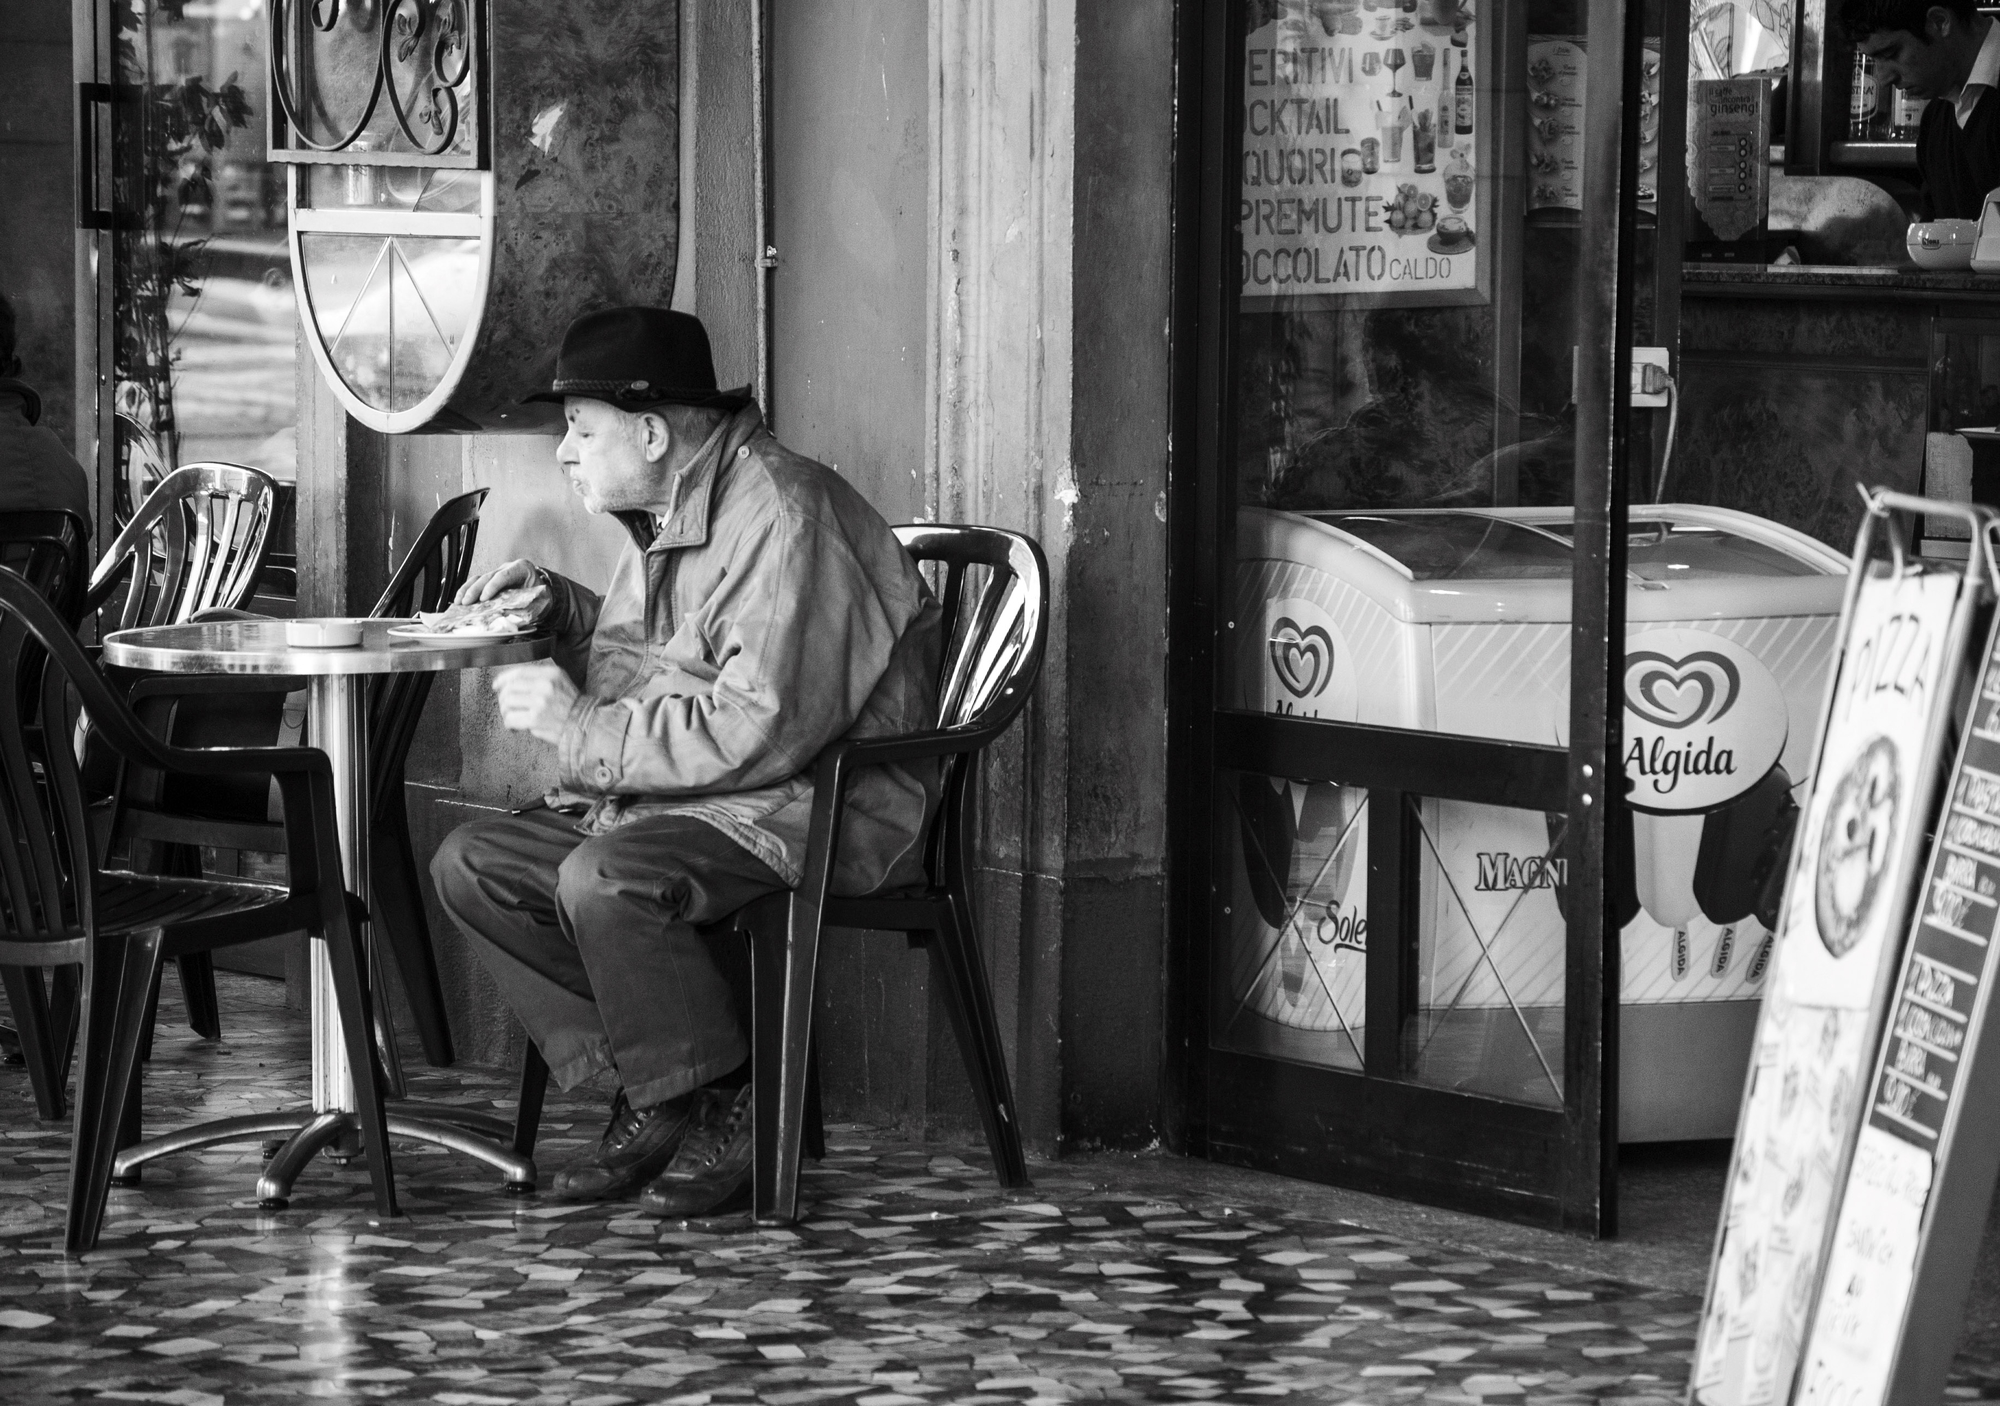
[[767, 251], [1597, 630], [338, 729]]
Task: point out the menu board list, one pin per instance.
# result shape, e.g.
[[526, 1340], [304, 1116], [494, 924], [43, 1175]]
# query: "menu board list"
[[1556, 120]]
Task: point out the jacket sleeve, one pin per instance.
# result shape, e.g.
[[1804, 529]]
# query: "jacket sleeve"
[[799, 635], [574, 621]]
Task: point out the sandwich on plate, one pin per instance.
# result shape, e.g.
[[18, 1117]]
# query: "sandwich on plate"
[[509, 613]]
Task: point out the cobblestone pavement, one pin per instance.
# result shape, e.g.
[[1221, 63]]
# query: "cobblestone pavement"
[[913, 1279]]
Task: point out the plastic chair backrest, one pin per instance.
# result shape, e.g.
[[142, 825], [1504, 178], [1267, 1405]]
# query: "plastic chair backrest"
[[428, 577], [44, 841], [197, 543], [437, 562], [994, 634], [46, 550]]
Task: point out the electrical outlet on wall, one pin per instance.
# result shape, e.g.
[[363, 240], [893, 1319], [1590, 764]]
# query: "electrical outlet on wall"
[[1652, 380]]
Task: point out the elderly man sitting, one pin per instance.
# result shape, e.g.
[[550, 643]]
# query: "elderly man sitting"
[[772, 614]]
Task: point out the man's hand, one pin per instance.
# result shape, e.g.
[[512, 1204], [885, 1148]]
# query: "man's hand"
[[535, 697], [505, 577]]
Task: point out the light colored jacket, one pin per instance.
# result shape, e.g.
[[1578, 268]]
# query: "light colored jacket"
[[774, 613]]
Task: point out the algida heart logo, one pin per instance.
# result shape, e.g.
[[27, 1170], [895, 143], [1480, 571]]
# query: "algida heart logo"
[[1302, 657], [1678, 693]]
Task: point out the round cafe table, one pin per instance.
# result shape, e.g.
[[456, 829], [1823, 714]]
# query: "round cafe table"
[[337, 725]]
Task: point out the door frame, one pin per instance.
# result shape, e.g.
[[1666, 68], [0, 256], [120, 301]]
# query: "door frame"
[[1376, 1130]]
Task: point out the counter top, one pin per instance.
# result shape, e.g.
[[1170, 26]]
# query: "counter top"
[[1701, 280]]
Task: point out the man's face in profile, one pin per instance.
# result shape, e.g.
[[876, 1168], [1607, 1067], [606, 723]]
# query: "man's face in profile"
[[1917, 63], [611, 458]]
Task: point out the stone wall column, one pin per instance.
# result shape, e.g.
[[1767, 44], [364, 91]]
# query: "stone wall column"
[[1049, 356]]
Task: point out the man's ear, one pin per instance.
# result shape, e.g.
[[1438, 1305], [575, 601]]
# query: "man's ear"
[[655, 439], [1939, 22]]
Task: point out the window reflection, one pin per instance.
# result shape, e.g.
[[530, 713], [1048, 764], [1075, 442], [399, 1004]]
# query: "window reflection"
[[202, 286], [390, 311]]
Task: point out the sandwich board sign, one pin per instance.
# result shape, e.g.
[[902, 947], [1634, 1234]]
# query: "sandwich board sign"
[[1910, 1223], [1815, 1080]]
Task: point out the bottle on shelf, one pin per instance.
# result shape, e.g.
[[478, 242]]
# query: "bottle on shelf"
[[1462, 100], [1861, 99], [1907, 117], [1444, 98]]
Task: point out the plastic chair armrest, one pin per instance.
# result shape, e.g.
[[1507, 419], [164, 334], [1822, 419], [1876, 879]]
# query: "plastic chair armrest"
[[834, 771], [910, 746]]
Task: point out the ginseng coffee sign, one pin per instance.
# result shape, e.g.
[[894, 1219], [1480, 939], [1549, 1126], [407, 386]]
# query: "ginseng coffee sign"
[[1704, 721]]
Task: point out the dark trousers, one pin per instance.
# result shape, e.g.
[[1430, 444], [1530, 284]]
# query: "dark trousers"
[[593, 940]]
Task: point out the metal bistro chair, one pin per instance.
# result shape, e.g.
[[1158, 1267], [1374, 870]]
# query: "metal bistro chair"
[[58, 905], [993, 655], [208, 711], [198, 542], [47, 550]]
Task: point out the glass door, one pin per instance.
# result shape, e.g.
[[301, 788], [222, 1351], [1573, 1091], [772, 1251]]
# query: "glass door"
[[184, 270], [1423, 230]]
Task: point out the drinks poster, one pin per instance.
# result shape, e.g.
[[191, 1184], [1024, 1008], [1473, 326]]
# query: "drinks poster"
[[1365, 145], [1846, 906]]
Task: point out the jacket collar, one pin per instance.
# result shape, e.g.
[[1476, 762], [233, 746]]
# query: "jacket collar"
[[686, 525], [19, 395]]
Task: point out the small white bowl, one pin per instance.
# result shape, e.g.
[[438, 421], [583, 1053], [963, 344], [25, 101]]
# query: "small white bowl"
[[1942, 244], [323, 634]]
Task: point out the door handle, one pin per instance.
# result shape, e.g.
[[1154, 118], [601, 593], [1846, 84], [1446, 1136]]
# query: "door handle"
[[89, 96]]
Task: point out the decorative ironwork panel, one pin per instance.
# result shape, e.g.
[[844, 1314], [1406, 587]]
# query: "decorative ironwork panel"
[[379, 82]]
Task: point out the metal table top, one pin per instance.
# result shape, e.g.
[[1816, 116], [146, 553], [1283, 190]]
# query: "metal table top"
[[259, 647]]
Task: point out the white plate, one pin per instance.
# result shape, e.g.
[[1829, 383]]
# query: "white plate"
[[418, 632]]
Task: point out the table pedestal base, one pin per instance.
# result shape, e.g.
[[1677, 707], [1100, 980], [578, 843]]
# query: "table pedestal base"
[[307, 1133]]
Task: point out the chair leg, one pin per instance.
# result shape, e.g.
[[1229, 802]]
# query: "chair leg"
[[815, 1139], [785, 932], [37, 1027], [969, 1001], [204, 1012], [764, 921], [152, 1018], [197, 969], [399, 914], [129, 1124], [65, 1015], [528, 1109], [357, 1021], [118, 977]]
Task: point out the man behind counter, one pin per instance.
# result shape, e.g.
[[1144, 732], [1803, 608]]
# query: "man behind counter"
[[1943, 50]]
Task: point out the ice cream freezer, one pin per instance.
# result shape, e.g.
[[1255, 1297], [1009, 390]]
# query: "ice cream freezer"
[[1458, 621]]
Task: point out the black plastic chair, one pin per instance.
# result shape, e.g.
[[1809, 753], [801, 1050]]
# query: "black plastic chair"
[[238, 708], [198, 542], [59, 906], [48, 550], [994, 654]]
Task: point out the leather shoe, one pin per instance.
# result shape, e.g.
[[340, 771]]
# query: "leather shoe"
[[710, 1175], [637, 1145]]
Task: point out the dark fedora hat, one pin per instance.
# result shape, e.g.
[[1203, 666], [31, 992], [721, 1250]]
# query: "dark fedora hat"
[[637, 359]]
